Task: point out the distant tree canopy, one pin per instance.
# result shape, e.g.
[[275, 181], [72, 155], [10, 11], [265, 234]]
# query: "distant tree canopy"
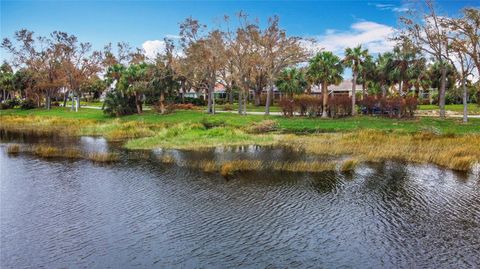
[[249, 60]]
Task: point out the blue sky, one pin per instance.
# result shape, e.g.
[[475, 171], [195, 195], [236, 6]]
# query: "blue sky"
[[335, 24]]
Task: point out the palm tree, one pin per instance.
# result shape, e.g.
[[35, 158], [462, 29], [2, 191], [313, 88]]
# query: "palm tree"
[[354, 58], [404, 58], [291, 81], [384, 71], [325, 68], [367, 71]]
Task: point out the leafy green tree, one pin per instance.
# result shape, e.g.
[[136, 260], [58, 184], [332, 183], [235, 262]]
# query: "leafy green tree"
[[6, 80], [134, 81], [325, 69]]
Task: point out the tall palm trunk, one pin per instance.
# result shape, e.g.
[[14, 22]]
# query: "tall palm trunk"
[[441, 94], [363, 89], [137, 103], [354, 83], [325, 99], [384, 90]]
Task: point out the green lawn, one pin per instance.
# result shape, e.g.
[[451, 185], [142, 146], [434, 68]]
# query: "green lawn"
[[472, 108], [295, 124]]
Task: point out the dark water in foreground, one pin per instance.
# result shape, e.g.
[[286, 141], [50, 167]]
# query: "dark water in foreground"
[[138, 213]]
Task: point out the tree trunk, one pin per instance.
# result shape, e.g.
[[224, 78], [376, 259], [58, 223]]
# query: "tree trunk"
[[73, 102], [441, 94], [257, 96], [363, 90], [325, 99], [384, 91], [48, 101], [209, 97], [400, 86], [245, 103], [77, 103], [240, 95], [230, 96], [213, 102], [354, 83], [161, 102], [209, 100], [465, 99], [137, 103], [65, 99], [269, 98]]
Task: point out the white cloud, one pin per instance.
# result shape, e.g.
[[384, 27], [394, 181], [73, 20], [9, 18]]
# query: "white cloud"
[[403, 8], [173, 36], [152, 48], [371, 35]]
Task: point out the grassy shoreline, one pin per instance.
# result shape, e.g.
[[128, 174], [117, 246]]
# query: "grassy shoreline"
[[448, 143]]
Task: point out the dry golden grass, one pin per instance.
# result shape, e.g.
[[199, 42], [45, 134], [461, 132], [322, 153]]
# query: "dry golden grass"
[[349, 165], [72, 153], [103, 157], [47, 151], [44, 125], [13, 149], [454, 152], [231, 167], [166, 159], [303, 166]]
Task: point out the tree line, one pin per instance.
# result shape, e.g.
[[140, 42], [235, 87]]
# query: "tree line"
[[250, 61]]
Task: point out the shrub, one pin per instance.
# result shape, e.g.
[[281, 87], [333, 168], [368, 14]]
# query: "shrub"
[[369, 104], [308, 105], [212, 123], [186, 100], [10, 103], [227, 107], [118, 104], [264, 126], [27, 104], [13, 102], [287, 106], [4, 106], [411, 104], [340, 105]]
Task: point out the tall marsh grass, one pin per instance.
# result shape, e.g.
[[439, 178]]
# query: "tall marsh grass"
[[454, 152], [13, 149]]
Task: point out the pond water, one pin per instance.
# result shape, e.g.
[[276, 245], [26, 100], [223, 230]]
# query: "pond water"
[[140, 213]]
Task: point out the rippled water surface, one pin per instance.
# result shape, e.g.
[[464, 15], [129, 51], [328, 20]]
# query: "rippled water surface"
[[139, 213]]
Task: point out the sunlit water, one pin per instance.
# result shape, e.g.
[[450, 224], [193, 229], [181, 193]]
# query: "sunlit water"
[[139, 213]]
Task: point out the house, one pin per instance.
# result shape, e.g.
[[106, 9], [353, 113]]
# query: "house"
[[345, 87]]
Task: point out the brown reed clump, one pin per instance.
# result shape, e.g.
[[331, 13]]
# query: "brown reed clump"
[[13, 149]]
